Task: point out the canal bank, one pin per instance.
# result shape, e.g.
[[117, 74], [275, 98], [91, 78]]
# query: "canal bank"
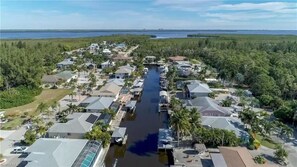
[[142, 129]]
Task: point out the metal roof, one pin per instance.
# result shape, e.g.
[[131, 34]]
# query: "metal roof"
[[101, 103], [48, 152], [78, 123], [119, 132], [218, 160]]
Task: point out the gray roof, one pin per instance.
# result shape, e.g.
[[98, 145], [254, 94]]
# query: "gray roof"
[[49, 79], [125, 69], [65, 62], [65, 75], [131, 103], [101, 103], [90, 100], [78, 123], [119, 132], [205, 104], [218, 160], [54, 152], [109, 89], [227, 123], [196, 86], [119, 82]]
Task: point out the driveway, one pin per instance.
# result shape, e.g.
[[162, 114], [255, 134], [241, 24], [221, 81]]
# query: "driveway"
[[7, 144]]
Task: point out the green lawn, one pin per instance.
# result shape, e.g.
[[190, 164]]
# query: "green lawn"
[[267, 143], [47, 96], [12, 124]]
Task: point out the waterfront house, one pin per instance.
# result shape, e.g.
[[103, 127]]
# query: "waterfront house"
[[227, 123], [76, 127], [206, 106], [47, 152], [177, 58], [119, 82], [195, 88], [124, 72], [108, 90], [235, 157], [99, 104], [65, 64]]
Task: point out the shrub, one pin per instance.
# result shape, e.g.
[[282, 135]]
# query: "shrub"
[[260, 159]]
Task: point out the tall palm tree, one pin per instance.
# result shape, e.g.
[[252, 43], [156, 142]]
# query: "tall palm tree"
[[248, 117], [194, 119], [42, 108], [180, 123]]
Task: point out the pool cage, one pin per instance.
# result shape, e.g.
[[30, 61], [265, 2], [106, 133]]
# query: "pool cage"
[[88, 155]]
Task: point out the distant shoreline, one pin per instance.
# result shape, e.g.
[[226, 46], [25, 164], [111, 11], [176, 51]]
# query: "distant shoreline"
[[156, 34]]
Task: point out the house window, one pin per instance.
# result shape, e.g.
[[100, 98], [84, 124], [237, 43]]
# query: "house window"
[[68, 134]]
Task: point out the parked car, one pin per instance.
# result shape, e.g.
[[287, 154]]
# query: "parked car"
[[19, 150]]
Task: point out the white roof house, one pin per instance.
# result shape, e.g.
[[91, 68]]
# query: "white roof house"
[[108, 90], [106, 51], [100, 104], [124, 71], [197, 89], [48, 152], [207, 106]]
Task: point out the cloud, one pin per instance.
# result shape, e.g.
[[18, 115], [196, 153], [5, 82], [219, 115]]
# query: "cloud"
[[188, 5], [277, 7]]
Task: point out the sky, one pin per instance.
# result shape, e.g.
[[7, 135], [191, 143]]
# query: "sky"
[[149, 14]]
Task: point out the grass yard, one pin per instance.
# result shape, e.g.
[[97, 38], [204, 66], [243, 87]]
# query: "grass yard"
[[15, 122], [267, 143], [47, 96]]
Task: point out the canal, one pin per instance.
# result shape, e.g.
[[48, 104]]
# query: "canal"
[[142, 128]]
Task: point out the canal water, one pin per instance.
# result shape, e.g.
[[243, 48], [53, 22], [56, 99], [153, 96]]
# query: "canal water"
[[142, 128]]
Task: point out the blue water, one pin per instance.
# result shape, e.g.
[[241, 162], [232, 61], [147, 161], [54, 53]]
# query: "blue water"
[[23, 34]]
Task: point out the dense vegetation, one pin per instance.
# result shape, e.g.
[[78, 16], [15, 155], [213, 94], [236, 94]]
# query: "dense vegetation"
[[23, 64], [266, 64]]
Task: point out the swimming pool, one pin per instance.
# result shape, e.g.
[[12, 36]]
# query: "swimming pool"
[[87, 162]]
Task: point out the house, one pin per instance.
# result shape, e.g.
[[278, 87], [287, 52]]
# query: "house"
[[107, 64], [90, 66], [65, 64], [206, 106], [106, 51], [184, 68], [118, 135], [93, 48], [48, 152], [150, 59], [227, 123], [122, 58], [76, 127], [195, 88], [100, 104], [108, 90], [50, 80], [66, 75], [235, 157], [177, 58], [121, 46], [119, 82], [124, 72]]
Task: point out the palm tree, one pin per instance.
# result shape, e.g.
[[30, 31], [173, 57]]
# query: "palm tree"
[[180, 123], [97, 134], [194, 118], [248, 117], [109, 112], [71, 95], [175, 104], [281, 154], [42, 108], [55, 105]]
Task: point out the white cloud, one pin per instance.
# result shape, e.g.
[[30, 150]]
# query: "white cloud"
[[277, 7]]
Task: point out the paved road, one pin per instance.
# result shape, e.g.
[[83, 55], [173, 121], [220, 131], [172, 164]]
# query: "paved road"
[[7, 144]]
